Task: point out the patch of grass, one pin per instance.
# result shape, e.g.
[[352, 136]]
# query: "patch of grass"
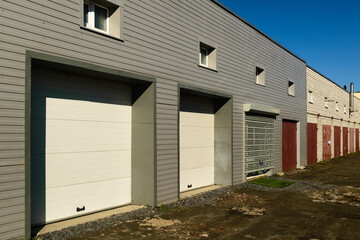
[[271, 182]]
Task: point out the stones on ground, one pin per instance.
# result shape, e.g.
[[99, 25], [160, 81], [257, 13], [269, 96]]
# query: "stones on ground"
[[341, 195], [158, 222], [248, 211]]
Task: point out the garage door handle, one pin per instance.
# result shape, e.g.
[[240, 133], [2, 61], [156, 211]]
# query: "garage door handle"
[[80, 209]]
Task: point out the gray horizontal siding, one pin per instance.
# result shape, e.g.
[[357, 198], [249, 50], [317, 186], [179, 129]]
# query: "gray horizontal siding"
[[160, 40]]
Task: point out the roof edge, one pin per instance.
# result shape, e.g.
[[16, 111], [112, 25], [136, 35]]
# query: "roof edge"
[[327, 78], [255, 28]]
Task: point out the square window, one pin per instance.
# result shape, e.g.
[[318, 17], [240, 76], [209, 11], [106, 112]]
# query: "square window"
[[310, 96], [103, 16], [291, 88], [207, 56], [260, 76], [96, 16]]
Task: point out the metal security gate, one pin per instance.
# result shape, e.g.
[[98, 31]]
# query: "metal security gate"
[[259, 144]]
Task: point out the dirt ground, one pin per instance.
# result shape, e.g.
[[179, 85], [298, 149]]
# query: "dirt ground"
[[248, 213]]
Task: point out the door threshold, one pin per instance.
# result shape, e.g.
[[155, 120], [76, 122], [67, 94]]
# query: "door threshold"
[[197, 191], [56, 226]]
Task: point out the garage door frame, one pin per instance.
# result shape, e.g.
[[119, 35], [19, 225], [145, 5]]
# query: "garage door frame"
[[223, 120], [117, 75]]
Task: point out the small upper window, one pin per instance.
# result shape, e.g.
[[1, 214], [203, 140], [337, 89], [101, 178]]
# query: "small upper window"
[[344, 109], [337, 106], [207, 56], [260, 76], [310, 96], [96, 16], [326, 102], [291, 88]]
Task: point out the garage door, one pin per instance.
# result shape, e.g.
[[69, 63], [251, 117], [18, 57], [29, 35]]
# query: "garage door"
[[81, 145], [345, 141], [259, 143], [289, 145], [337, 141], [311, 143], [196, 150]]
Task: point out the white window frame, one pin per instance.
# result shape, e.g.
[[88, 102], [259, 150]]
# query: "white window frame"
[[207, 57], [91, 17], [344, 109], [337, 106], [311, 98]]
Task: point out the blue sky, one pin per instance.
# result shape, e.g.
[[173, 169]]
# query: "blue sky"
[[325, 33]]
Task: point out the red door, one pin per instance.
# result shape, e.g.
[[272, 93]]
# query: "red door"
[[311, 143], [352, 144], [326, 142], [289, 145], [357, 140], [345, 140], [337, 141]]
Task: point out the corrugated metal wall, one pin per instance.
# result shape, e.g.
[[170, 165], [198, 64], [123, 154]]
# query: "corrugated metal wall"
[[160, 40]]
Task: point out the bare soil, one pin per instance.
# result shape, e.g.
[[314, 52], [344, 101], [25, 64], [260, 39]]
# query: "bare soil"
[[250, 213]]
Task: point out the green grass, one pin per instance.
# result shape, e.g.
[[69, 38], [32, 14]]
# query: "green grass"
[[271, 182]]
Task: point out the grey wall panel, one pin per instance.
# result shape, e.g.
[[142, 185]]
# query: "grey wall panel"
[[160, 40]]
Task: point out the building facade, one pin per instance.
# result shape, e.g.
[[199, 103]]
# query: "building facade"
[[114, 102], [333, 128]]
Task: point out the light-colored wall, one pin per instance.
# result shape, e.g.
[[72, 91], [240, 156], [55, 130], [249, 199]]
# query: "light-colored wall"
[[323, 87], [160, 40]]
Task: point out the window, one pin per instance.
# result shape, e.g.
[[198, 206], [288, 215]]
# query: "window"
[[291, 88], [103, 16], [207, 56], [326, 102], [337, 106], [344, 109], [96, 16], [260, 76], [310, 96]]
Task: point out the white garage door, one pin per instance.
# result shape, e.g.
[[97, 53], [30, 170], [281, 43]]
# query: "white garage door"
[[81, 146], [196, 150]]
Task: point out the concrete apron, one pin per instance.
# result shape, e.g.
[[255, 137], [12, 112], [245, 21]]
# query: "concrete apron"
[[199, 191], [87, 218]]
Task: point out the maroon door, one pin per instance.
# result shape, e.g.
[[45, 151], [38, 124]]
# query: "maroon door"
[[289, 145], [357, 140], [311, 143], [345, 140], [337, 141], [352, 136], [326, 142]]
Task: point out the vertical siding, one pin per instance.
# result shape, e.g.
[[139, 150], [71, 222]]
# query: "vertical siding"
[[160, 40]]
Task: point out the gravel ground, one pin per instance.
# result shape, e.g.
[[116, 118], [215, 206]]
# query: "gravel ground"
[[198, 200]]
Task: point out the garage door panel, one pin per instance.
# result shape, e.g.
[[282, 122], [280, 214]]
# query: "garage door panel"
[[195, 137], [196, 178], [191, 119], [61, 202], [195, 158], [83, 167], [73, 136]]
